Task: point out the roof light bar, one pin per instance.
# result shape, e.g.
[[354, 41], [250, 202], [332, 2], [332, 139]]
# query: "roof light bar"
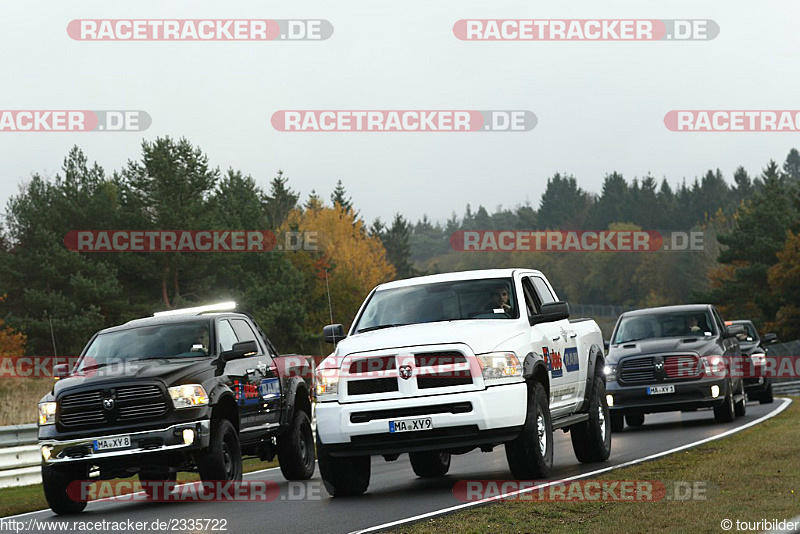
[[221, 306]]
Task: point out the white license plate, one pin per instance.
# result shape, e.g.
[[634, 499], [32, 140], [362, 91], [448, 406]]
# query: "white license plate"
[[660, 390], [410, 425], [119, 442]]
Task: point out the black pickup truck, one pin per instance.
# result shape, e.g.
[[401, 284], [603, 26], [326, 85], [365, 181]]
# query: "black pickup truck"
[[179, 391]]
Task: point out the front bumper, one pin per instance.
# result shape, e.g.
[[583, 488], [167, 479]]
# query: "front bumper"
[[148, 442], [688, 395], [493, 415]]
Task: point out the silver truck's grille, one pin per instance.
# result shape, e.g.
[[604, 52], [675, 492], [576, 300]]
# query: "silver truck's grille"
[[638, 370]]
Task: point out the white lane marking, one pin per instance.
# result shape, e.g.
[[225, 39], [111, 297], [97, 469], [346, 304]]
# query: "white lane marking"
[[779, 409]]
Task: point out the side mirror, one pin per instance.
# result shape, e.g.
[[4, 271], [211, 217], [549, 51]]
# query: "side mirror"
[[240, 350], [61, 371], [606, 344], [552, 311], [770, 338], [332, 333], [733, 330]]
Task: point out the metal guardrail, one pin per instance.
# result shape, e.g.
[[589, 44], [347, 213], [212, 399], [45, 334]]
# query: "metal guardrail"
[[786, 388], [19, 456]]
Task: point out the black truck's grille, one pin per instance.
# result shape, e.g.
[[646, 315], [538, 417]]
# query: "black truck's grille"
[[139, 402], [638, 370]]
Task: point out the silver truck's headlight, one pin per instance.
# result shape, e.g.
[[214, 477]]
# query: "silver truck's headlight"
[[611, 373], [47, 413], [758, 358], [326, 384], [498, 365], [188, 396]]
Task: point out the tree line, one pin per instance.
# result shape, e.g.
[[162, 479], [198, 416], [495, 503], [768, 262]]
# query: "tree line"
[[57, 298]]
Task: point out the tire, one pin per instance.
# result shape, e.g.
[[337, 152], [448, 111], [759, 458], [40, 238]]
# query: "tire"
[[617, 423], [430, 464], [766, 397], [725, 413], [296, 449], [530, 455], [55, 482], [223, 458], [343, 477], [635, 420], [740, 408], [591, 440], [157, 483]]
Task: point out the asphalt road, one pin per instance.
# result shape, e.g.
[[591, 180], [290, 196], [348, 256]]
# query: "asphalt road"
[[394, 493]]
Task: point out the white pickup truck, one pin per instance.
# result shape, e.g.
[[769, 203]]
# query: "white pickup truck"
[[443, 364]]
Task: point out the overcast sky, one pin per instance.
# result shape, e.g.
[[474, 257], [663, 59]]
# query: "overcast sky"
[[600, 105]]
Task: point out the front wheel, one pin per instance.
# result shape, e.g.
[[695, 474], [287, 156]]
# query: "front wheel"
[[345, 476], [430, 464], [635, 419], [591, 440], [530, 455], [56, 481], [740, 408], [767, 397], [296, 449], [726, 412], [223, 458]]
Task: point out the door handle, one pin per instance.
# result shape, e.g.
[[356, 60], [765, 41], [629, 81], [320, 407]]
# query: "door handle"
[[556, 338], [250, 371], [573, 335]]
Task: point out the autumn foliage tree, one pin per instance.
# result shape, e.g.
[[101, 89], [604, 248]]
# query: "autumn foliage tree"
[[12, 343], [347, 260]]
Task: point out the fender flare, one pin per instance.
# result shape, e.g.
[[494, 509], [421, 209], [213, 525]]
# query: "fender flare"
[[594, 366], [534, 368], [293, 385]]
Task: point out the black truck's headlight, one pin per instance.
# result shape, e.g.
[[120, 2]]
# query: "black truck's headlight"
[[188, 396]]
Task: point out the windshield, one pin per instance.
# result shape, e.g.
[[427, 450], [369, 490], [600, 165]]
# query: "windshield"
[[492, 298], [173, 340], [750, 333], [677, 324]]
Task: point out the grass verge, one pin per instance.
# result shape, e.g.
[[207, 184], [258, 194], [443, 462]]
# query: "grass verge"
[[30, 498], [750, 476]]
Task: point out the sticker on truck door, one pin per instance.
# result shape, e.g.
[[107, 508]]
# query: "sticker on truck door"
[[553, 362], [571, 359]]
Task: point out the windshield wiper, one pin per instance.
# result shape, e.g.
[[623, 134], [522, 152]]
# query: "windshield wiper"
[[381, 326]]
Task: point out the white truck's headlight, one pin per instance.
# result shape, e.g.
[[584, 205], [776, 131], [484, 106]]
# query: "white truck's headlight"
[[326, 383], [188, 396], [47, 413], [498, 365]]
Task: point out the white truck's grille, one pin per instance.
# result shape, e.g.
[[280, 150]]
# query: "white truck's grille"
[[406, 373]]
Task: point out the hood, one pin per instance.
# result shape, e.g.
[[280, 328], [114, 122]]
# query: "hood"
[[480, 335], [749, 347], [169, 371], [701, 345]]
